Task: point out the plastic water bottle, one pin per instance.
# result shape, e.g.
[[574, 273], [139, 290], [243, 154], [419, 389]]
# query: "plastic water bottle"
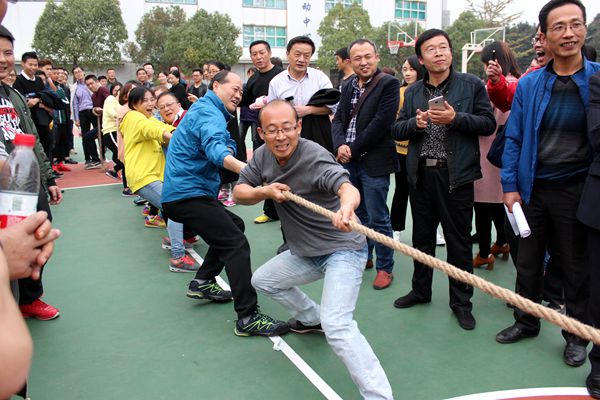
[[19, 182]]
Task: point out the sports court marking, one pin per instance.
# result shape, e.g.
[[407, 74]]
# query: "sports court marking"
[[557, 393], [91, 186], [280, 345]]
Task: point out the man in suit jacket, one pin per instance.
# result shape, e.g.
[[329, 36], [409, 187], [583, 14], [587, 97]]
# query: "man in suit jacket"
[[589, 215], [363, 144]]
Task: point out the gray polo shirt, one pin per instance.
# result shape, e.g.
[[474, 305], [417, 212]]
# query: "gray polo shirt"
[[312, 173]]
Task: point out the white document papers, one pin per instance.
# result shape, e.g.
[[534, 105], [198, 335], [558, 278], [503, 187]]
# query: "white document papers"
[[518, 221]]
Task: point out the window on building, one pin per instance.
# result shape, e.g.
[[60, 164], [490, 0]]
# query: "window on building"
[[265, 3], [274, 35], [411, 9], [329, 4]]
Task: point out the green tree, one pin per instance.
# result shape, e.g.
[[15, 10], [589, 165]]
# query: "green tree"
[[203, 37], [85, 32], [151, 35], [340, 27], [518, 38], [593, 35], [460, 34], [387, 59]]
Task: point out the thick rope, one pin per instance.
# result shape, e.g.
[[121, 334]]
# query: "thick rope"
[[567, 323]]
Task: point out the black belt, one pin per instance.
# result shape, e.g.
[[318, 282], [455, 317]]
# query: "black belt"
[[433, 163]]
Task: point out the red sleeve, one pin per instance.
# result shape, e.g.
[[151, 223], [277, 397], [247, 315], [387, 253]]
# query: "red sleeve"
[[502, 93]]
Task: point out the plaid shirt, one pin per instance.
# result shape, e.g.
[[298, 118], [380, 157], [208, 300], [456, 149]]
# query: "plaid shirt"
[[357, 91]]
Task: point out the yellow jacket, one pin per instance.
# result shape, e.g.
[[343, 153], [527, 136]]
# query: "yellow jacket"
[[109, 114], [401, 147], [144, 156]]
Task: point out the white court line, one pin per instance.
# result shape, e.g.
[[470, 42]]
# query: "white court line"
[[92, 186], [280, 345]]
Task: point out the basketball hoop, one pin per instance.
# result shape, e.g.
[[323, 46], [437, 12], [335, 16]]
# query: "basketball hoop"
[[394, 46]]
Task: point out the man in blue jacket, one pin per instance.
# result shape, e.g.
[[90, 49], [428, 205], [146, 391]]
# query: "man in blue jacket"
[[442, 164], [201, 146], [545, 161], [364, 146]]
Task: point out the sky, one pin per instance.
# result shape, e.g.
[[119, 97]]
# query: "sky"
[[530, 9]]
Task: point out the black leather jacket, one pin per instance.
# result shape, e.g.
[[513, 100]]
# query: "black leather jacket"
[[467, 95]]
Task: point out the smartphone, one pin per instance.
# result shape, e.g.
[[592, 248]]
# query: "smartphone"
[[493, 55], [437, 103]]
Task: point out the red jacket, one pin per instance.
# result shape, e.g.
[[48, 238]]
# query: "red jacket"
[[502, 92]]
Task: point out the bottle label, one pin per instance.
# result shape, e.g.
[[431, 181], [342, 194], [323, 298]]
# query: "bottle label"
[[15, 207]]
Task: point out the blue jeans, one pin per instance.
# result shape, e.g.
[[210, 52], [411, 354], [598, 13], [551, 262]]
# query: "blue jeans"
[[373, 211], [342, 273], [152, 192]]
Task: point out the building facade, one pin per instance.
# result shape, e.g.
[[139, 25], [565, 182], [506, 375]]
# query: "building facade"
[[273, 20]]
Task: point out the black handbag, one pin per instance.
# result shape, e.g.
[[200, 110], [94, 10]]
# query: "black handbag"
[[494, 155]]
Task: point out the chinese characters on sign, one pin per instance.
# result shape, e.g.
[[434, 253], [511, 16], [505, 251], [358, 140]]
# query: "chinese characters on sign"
[[306, 8]]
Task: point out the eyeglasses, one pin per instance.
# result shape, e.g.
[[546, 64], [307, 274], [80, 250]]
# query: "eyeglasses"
[[432, 49], [167, 105], [284, 130], [535, 39], [559, 29]]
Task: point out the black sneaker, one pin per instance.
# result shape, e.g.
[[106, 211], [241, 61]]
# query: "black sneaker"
[[261, 325], [299, 327], [209, 290], [140, 201]]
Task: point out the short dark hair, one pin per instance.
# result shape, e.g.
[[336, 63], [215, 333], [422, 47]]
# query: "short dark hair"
[[150, 64], [198, 70], [175, 73], [220, 77], [361, 41], [551, 5], [342, 53], [257, 42], [219, 64], [44, 62], [140, 69], [427, 35], [5, 33], [275, 102], [75, 67], [300, 39], [28, 56], [110, 69], [102, 77], [277, 61], [136, 96], [91, 76]]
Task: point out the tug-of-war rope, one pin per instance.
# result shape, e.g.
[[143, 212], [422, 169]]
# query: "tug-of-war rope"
[[567, 323]]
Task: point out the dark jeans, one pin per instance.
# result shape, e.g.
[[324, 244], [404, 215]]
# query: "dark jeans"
[[61, 141], [228, 247], [110, 141], [594, 301], [400, 200], [88, 136], [256, 140], [46, 139], [485, 214], [30, 290], [373, 211], [551, 217], [432, 203]]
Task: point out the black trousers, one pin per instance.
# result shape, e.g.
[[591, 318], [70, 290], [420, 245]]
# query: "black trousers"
[[228, 247], [256, 140], [30, 290], [400, 200], [594, 301], [86, 121], [46, 139], [485, 214], [61, 141], [110, 141], [433, 203], [551, 217]]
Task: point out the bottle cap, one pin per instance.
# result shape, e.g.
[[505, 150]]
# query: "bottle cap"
[[24, 140]]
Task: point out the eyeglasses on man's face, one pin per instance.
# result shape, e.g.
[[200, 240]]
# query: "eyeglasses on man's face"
[[285, 130]]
